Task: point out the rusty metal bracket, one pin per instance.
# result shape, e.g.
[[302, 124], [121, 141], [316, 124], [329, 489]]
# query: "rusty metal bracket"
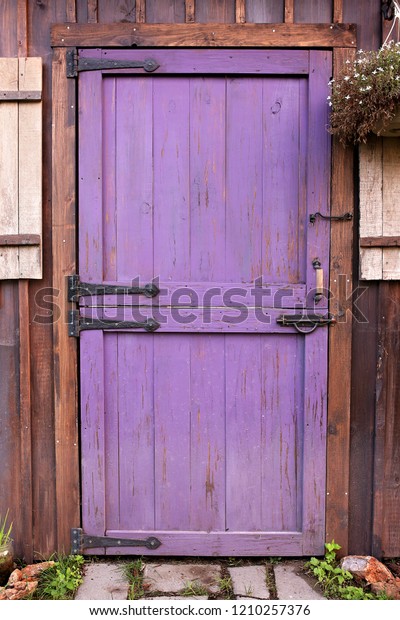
[[335, 218], [77, 289], [76, 64], [77, 323], [81, 541]]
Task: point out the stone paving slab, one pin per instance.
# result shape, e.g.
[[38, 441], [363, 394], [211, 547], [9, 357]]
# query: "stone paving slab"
[[103, 581], [174, 578], [249, 582], [176, 598], [293, 584]]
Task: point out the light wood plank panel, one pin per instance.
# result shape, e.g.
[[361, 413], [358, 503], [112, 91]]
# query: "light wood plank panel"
[[371, 206], [30, 168]]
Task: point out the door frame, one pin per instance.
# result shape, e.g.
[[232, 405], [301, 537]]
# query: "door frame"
[[341, 39]]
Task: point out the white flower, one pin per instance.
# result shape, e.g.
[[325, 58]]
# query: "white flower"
[[346, 78], [347, 97]]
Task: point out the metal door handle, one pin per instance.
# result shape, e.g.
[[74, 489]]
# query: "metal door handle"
[[319, 280]]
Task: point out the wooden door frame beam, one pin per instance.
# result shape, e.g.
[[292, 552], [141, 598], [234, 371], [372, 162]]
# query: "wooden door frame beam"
[[342, 39], [204, 35]]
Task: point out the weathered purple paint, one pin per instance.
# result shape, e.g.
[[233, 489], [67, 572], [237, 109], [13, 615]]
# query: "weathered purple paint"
[[209, 433]]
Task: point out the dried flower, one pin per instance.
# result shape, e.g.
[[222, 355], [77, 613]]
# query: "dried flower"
[[375, 75]]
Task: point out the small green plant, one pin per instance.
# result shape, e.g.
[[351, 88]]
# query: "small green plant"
[[134, 572], [336, 582], [5, 531], [60, 582], [225, 587], [193, 588]]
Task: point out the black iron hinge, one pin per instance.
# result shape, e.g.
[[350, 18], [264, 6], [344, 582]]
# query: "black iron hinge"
[[77, 323], [76, 64], [81, 541], [77, 289]]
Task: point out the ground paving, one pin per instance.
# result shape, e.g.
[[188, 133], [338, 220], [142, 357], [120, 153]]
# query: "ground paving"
[[169, 580]]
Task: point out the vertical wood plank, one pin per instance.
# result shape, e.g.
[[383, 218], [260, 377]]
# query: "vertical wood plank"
[[111, 11], [140, 11], [390, 206], [368, 17], [371, 206], [92, 11], [289, 11], [240, 11], [65, 354], [165, 11], [338, 11], [71, 11], [338, 440], [265, 11], [190, 11], [30, 167], [217, 11], [313, 11], [25, 419], [9, 167], [22, 27]]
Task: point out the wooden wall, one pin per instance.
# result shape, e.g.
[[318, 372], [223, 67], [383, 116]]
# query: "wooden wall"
[[30, 473]]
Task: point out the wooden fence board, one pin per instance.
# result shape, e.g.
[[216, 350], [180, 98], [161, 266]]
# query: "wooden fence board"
[[9, 167], [371, 207], [391, 206]]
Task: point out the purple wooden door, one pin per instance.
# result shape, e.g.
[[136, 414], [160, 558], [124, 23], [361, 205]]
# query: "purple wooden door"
[[208, 433]]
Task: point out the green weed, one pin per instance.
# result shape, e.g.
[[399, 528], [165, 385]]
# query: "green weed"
[[5, 531], [60, 582], [134, 572], [192, 588], [336, 582]]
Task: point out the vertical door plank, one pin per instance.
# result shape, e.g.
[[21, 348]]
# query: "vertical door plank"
[[207, 179], [70, 11], [265, 11], [109, 181], [207, 433], [315, 403], [284, 202], [64, 252], [289, 11], [190, 9], [111, 431], [112, 11], [243, 433], [91, 178], [172, 423], [282, 385], [390, 204], [30, 167], [171, 179], [92, 433], [244, 153], [9, 168], [240, 11], [371, 206], [134, 139], [22, 27], [318, 171], [136, 432]]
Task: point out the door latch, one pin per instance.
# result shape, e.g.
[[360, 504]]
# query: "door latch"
[[308, 321]]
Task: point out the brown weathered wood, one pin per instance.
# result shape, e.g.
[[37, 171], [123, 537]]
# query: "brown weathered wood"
[[22, 27], [338, 11], [92, 11], [240, 11], [165, 11], [371, 206], [391, 206], [203, 35], [289, 11], [22, 95], [387, 428], [339, 384], [25, 419], [190, 11], [380, 242], [64, 252], [313, 11], [41, 16], [264, 11], [18, 239], [70, 11], [140, 11], [216, 12]]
